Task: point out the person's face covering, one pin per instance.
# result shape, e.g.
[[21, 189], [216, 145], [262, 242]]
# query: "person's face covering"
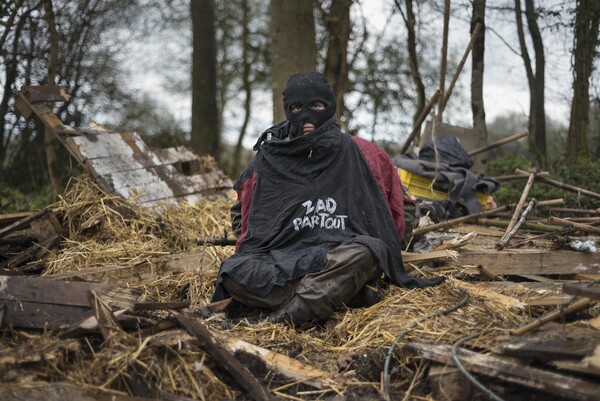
[[308, 101]]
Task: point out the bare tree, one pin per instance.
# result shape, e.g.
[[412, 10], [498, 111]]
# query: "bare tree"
[[536, 81], [293, 47], [587, 20], [246, 84], [338, 25], [477, 106], [410, 22], [205, 137]]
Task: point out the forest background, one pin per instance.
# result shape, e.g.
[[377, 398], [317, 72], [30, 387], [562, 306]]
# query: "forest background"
[[209, 74]]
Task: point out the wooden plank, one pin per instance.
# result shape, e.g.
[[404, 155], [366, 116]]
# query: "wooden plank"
[[582, 290], [555, 341], [104, 144], [45, 93], [9, 218], [178, 154], [288, 367], [42, 391], [33, 315], [24, 222], [224, 358], [70, 293], [177, 157], [532, 261], [502, 299], [36, 251], [487, 365]]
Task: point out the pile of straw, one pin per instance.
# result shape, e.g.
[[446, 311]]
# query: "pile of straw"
[[103, 230]]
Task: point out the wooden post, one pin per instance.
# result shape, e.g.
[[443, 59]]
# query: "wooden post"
[[519, 207], [575, 306], [459, 220], [509, 234], [499, 143], [577, 226]]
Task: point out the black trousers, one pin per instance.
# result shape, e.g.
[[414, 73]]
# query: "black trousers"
[[346, 270]]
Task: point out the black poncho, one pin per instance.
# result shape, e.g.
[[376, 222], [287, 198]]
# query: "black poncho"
[[312, 193]]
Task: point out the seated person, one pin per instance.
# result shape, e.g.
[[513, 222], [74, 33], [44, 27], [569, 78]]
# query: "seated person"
[[321, 215]]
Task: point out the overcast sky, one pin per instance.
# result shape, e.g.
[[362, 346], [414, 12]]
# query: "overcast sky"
[[505, 84]]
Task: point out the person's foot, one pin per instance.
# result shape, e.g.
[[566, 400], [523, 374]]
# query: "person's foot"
[[369, 295], [296, 313]]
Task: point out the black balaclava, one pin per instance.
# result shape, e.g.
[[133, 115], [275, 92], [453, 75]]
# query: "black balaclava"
[[304, 89]]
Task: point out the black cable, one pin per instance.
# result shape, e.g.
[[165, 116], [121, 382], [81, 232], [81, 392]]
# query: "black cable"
[[464, 371]]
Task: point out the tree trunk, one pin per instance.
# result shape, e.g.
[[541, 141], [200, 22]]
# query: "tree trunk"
[[444, 62], [477, 106], [246, 84], [205, 117], [539, 88], [413, 59], [586, 39], [337, 23], [533, 83], [49, 139], [293, 46]]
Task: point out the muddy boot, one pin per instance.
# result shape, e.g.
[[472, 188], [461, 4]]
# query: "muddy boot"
[[296, 313], [369, 295]]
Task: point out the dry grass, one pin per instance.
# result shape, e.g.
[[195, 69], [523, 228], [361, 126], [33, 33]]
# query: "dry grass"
[[107, 231]]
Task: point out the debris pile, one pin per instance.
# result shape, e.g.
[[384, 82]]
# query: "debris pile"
[[105, 295], [120, 312]]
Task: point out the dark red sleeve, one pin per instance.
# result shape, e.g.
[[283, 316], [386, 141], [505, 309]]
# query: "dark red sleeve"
[[245, 192], [388, 179]]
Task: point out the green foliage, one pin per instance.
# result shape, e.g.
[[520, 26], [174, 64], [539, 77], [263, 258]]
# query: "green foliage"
[[13, 200], [585, 175]]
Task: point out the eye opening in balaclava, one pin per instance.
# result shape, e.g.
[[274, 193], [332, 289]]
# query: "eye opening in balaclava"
[[302, 91]]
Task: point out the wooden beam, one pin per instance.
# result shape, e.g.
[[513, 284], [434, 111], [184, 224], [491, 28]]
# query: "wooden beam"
[[288, 367], [505, 300], [531, 261], [555, 341], [459, 220], [24, 222], [497, 368], [582, 290], [225, 359], [579, 304], [499, 143]]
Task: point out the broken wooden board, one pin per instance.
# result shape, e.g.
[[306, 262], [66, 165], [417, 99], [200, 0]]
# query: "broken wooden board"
[[41, 303], [474, 289], [289, 367], [498, 368], [42, 391], [582, 290], [124, 165], [9, 218], [143, 272], [225, 359], [555, 341], [531, 261], [531, 293]]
